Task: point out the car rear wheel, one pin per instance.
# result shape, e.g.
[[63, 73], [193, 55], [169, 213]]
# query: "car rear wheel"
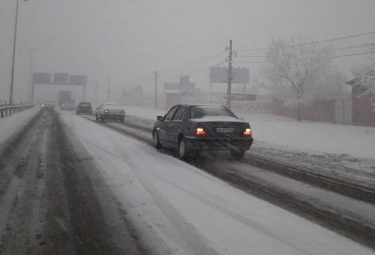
[[237, 154], [183, 153], [182, 149], [156, 141]]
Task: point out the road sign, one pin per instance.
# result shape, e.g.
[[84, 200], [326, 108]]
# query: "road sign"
[[78, 80], [41, 78], [61, 78], [220, 75]]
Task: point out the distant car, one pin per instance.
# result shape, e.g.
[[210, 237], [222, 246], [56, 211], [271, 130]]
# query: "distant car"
[[110, 111], [47, 105], [84, 107], [196, 128], [67, 106]]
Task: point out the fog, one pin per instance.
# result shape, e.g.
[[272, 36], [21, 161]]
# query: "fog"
[[128, 40]]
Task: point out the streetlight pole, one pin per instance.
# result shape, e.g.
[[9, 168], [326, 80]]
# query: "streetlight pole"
[[14, 56], [156, 89], [229, 89]]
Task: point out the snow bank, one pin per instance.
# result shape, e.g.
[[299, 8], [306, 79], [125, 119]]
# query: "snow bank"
[[313, 137]]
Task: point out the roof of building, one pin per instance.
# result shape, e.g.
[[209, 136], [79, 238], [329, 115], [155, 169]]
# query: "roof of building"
[[357, 80]]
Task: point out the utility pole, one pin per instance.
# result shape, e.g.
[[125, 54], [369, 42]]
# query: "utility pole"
[[96, 92], [84, 93], [123, 101], [229, 91], [156, 89], [31, 77], [211, 93], [109, 89]]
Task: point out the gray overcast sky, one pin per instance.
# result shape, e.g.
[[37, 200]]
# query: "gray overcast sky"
[[127, 40]]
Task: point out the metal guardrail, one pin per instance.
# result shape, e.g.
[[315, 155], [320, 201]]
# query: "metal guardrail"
[[7, 110]]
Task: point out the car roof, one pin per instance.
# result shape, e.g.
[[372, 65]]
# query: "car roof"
[[112, 103], [212, 105]]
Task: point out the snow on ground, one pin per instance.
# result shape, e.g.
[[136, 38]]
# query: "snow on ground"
[[182, 210], [12, 124], [288, 134]]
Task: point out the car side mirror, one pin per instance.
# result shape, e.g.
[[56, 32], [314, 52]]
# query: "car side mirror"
[[161, 118]]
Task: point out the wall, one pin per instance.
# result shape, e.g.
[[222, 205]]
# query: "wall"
[[317, 110], [363, 110], [247, 106]]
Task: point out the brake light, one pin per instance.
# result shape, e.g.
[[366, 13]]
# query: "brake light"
[[247, 132], [200, 131]]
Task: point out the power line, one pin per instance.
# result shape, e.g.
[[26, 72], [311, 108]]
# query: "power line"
[[265, 62], [196, 71], [330, 40], [204, 69], [200, 62], [348, 55], [342, 48]]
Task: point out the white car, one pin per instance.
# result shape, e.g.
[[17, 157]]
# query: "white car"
[[67, 106], [110, 111]]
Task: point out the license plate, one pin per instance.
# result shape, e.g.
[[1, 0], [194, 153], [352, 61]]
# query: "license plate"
[[224, 130]]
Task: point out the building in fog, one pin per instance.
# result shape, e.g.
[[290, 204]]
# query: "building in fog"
[[363, 101], [133, 96]]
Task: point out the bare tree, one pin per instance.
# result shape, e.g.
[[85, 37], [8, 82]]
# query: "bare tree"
[[292, 69], [365, 74]]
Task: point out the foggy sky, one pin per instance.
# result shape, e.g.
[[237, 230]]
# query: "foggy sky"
[[128, 40]]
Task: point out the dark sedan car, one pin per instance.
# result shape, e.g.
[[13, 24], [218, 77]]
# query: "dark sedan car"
[[47, 105], [196, 128], [84, 107]]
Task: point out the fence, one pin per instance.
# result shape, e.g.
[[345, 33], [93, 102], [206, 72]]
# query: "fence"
[[12, 109]]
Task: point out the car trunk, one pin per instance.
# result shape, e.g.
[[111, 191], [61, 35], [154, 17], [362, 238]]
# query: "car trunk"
[[114, 111], [221, 128]]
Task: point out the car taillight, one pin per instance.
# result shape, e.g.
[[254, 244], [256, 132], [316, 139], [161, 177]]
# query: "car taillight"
[[200, 131], [247, 132]]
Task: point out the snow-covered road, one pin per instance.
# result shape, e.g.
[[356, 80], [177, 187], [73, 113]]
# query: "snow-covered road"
[[179, 209]]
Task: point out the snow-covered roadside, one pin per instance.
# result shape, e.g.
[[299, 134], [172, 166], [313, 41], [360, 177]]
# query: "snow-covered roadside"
[[339, 149], [14, 123], [289, 134], [315, 137], [191, 212]]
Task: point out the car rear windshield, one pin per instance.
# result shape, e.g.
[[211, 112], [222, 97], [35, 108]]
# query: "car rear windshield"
[[85, 104], [197, 112]]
